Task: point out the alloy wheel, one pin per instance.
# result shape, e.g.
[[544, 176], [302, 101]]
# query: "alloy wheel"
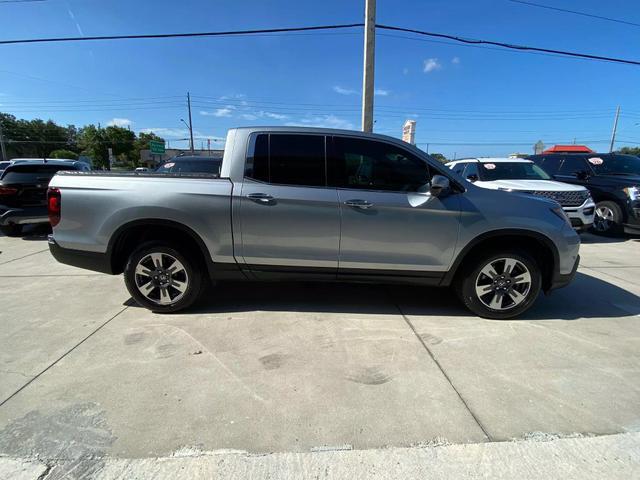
[[604, 219], [503, 284], [161, 278]]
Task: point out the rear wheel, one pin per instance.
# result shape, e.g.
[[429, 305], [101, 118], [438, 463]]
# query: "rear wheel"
[[500, 285], [163, 279], [608, 218], [11, 230]]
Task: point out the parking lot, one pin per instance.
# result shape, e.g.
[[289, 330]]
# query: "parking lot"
[[261, 368]]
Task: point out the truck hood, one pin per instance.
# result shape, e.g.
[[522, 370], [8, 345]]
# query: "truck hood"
[[531, 185]]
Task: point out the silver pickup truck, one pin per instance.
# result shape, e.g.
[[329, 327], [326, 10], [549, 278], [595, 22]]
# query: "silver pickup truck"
[[313, 204]]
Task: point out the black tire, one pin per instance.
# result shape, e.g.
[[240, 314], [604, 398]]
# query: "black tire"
[[608, 218], [11, 230], [188, 276], [504, 290]]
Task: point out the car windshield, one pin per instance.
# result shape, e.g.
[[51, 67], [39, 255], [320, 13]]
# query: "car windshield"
[[511, 171], [615, 164]]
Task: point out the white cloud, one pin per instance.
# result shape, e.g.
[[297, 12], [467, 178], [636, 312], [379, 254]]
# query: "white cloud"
[[431, 64], [219, 112], [277, 116], [263, 114], [167, 132], [119, 122], [322, 121], [455, 60], [380, 92], [233, 96], [344, 91]]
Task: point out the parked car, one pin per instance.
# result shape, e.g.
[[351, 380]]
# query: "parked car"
[[524, 176], [313, 204], [141, 169], [613, 180], [23, 191], [3, 165], [191, 164]]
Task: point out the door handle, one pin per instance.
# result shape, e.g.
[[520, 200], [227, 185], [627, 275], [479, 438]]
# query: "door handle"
[[357, 203], [260, 197]]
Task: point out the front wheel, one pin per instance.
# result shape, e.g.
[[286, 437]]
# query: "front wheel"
[[162, 279], [500, 285], [608, 218]]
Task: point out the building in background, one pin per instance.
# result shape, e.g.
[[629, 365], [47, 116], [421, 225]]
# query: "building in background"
[[150, 160], [568, 149], [409, 132], [538, 147]]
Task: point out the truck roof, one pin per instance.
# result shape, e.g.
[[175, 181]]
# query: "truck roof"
[[319, 130]]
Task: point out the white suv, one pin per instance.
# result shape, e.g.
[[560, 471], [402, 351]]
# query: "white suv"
[[524, 176]]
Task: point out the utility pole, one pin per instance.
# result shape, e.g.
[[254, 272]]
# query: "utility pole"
[[190, 122], [3, 150], [369, 67], [615, 128]]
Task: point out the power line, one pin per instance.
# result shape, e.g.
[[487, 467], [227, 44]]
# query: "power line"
[[520, 48], [509, 45], [574, 12], [182, 35]]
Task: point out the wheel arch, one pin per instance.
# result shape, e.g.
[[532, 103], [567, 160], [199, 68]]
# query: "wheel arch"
[[131, 234], [540, 246]]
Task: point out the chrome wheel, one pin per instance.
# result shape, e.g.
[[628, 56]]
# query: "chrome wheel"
[[604, 219], [503, 284], [161, 278]]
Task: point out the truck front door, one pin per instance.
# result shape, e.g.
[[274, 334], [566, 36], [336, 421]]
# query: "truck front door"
[[391, 225]]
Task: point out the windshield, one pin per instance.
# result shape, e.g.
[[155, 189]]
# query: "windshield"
[[615, 164], [512, 171]]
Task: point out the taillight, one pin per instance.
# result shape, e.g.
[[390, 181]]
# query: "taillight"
[[54, 205], [8, 191]]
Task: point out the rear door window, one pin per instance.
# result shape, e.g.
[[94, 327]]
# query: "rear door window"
[[288, 159]]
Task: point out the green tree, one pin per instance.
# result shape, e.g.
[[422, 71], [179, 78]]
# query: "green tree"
[[439, 157], [142, 143], [96, 141], [35, 138], [630, 151], [62, 153], [92, 142]]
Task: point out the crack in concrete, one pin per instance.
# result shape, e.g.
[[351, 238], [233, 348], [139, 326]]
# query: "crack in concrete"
[[60, 358], [446, 376]]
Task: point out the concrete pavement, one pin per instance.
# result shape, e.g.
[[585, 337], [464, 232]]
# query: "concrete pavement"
[[299, 368]]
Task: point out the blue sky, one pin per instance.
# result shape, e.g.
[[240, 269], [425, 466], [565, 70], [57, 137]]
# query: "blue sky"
[[467, 101]]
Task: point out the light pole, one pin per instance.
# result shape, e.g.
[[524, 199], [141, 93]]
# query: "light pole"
[[190, 134]]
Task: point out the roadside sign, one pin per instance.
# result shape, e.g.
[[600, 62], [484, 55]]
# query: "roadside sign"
[[156, 147]]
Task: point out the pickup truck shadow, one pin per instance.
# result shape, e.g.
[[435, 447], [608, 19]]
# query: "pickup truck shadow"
[[586, 297]]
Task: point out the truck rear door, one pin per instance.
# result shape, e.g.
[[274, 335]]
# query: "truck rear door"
[[290, 218]]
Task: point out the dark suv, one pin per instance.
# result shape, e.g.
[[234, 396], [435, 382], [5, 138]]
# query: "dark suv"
[[23, 192], [613, 180]]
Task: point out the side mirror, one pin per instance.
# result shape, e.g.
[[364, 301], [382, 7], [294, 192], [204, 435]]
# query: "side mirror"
[[439, 185], [473, 177]]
